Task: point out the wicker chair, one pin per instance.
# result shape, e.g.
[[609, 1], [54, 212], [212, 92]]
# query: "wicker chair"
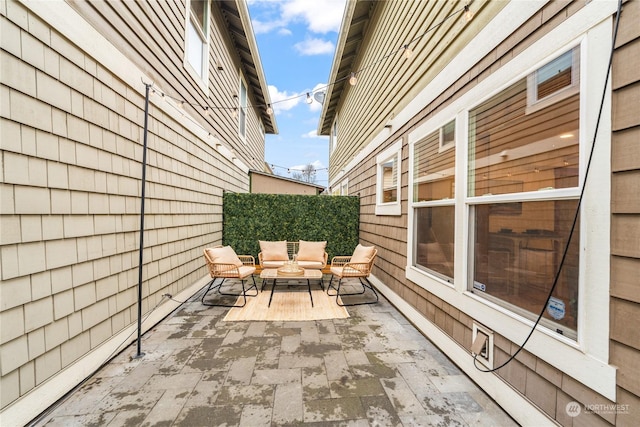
[[357, 266], [223, 263]]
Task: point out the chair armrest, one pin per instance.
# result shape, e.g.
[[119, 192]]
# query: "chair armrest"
[[248, 260], [355, 269], [339, 261], [325, 258], [224, 270]]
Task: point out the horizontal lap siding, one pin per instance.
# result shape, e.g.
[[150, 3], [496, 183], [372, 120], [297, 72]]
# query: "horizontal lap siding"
[[625, 208], [391, 80], [152, 36], [71, 152]]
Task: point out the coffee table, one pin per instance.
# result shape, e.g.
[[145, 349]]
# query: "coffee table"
[[308, 275]]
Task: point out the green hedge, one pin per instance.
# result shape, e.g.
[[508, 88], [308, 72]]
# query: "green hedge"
[[249, 217]]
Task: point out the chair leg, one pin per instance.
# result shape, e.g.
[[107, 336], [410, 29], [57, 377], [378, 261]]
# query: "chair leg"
[[218, 288], [365, 284]]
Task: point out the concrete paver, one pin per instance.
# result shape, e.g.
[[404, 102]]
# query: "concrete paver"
[[371, 369]]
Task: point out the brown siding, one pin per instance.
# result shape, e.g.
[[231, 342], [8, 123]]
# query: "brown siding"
[[625, 209], [548, 388]]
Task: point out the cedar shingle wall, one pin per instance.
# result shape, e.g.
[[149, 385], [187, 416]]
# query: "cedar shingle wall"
[[625, 210], [547, 387], [70, 169]]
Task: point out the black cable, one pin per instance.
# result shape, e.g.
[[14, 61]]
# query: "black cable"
[[577, 214]]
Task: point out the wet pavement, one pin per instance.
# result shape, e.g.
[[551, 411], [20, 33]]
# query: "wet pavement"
[[372, 369]]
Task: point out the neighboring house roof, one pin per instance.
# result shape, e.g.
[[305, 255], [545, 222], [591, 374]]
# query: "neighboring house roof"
[[238, 21], [354, 25], [309, 184]]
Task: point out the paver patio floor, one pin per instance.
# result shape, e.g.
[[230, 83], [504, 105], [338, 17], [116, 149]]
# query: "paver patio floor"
[[372, 369]]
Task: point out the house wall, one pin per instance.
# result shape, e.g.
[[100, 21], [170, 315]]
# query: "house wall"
[[152, 35], [71, 132], [625, 209], [275, 185], [546, 387], [402, 78]]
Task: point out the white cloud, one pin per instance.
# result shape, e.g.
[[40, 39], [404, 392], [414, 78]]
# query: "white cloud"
[[311, 134], [283, 101], [314, 46], [317, 164], [319, 16]]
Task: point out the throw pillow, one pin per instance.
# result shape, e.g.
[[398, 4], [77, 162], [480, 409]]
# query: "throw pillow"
[[274, 251], [224, 255], [362, 254], [311, 251]]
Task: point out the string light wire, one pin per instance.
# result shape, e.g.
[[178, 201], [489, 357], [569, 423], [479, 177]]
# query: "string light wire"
[[352, 77]]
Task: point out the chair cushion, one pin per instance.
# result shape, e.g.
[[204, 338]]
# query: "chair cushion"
[[311, 251], [272, 264], [362, 254], [246, 270], [274, 251], [224, 255], [311, 265]]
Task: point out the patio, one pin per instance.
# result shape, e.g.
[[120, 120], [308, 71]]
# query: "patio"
[[373, 368]]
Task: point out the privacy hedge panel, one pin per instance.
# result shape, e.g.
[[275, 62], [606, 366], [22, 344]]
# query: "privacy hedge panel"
[[248, 218]]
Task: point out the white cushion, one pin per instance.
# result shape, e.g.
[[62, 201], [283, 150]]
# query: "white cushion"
[[274, 251], [246, 270], [224, 255], [311, 251], [272, 264], [311, 265], [362, 254]]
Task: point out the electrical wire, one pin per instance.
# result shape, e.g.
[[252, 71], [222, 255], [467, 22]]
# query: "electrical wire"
[[577, 214], [181, 102]]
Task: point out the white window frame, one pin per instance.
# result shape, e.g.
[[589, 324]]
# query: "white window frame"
[[416, 137], [333, 136], [192, 24], [394, 152], [587, 358], [534, 104], [444, 146], [344, 187], [242, 109]]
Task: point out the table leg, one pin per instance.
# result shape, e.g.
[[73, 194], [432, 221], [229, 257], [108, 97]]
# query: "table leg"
[[310, 294], [272, 289]]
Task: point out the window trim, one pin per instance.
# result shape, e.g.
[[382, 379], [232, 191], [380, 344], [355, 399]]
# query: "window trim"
[[587, 359], [204, 33], [447, 146], [333, 136], [389, 208], [534, 104], [242, 109], [416, 137]]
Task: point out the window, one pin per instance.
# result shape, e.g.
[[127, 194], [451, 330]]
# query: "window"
[[554, 81], [448, 135], [242, 110], [333, 139], [523, 187], [434, 208], [197, 40], [388, 181], [344, 188]]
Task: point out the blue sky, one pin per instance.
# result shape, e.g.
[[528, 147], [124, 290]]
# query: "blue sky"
[[296, 40]]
